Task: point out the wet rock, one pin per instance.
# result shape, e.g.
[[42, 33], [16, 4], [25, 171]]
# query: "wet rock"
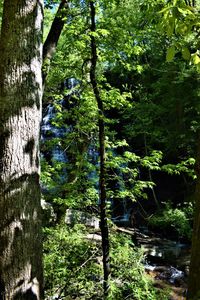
[[171, 275]]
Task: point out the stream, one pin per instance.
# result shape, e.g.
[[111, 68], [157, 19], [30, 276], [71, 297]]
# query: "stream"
[[166, 261]]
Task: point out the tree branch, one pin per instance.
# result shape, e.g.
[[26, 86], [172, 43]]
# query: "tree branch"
[[51, 42]]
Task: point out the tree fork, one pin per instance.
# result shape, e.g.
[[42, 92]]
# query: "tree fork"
[[101, 125]]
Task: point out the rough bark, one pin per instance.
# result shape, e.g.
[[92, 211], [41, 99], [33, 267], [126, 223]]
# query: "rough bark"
[[102, 184], [20, 115], [51, 41], [194, 274]]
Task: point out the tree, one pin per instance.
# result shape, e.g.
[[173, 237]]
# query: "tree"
[[21, 90], [194, 274], [181, 21], [20, 101], [102, 175]]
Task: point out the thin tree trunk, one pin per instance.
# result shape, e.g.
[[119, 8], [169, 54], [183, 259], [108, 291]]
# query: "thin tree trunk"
[[150, 176], [194, 274], [102, 184], [20, 115]]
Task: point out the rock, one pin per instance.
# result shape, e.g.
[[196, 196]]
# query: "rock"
[[74, 216], [93, 236], [48, 214]]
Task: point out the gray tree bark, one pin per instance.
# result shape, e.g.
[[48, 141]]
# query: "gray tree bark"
[[20, 115]]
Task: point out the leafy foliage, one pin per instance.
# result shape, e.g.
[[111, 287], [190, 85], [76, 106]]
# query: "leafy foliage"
[[73, 267], [129, 282], [181, 23], [151, 100], [174, 220]]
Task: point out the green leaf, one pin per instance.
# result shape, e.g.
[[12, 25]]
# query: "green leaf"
[[186, 11], [171, 26], [165, 10], [196, 58], [186, 53], [170, 54], [103, 32], [183, 29]]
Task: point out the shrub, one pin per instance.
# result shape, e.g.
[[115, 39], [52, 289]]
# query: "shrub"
[[174, 221], [73, 268]]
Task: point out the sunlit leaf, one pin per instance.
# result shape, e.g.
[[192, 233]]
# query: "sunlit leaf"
[[196, 58]]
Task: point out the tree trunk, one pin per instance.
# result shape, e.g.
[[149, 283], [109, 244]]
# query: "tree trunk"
[[20, 115], [102, 183], [194, 275], [51, 42]]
